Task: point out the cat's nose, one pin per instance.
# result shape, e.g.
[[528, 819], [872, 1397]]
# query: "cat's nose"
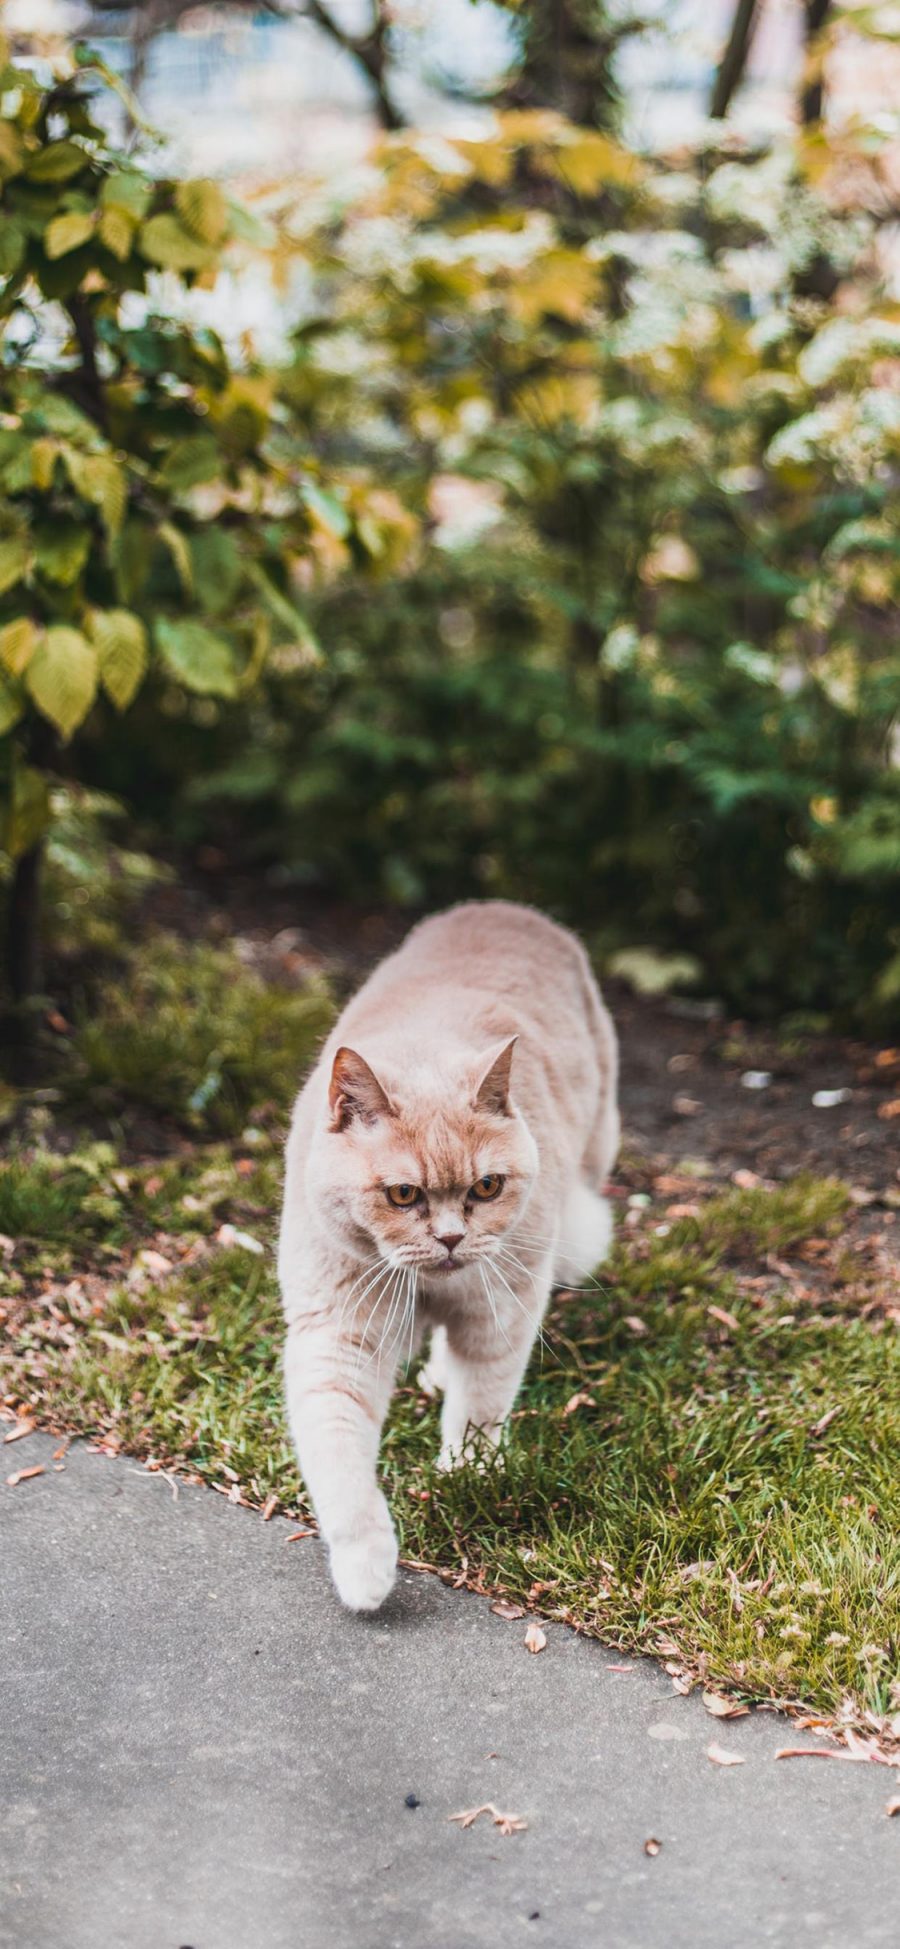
[[450, 1239]]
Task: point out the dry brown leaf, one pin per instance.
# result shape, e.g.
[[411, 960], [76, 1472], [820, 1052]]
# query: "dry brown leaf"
[[637, 1325], [504, 1608], [535, 1638], [652, 1845], [23, 1475], [815, 1753], [579, 1401], [296, 1534], [721, 1756], [16, 1434], [888, 1111], [269, 1507], [893, 1806], [623, 1669], [824, 1422], [886, 1058], [726, 1319], [507, 1823], [724, 1708]]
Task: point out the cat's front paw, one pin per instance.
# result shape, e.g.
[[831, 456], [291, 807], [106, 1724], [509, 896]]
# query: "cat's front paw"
[[364, 1571]]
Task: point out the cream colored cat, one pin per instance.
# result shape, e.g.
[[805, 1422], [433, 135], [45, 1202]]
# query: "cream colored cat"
[[445, 1168]]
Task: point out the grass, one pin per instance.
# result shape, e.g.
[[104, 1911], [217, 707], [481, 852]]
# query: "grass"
[[700, 1500], [194, 1035]]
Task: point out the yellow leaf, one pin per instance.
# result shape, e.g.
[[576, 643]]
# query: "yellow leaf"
[[17, 641], [562, 282], [14, 559], [61, 678], [98, 478], [202, 208], [43, 461], [116, 232], [121, 642], [67, 232]]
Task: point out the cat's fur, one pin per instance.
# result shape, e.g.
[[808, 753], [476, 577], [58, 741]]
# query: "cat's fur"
[[480, 1049]]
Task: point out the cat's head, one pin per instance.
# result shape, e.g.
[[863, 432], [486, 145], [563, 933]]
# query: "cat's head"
[[432, 1168]]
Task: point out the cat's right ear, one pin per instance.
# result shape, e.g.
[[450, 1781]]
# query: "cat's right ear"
[[354, 1091]]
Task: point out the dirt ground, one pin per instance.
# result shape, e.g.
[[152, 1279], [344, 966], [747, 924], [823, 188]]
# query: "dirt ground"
[[686, 1065]]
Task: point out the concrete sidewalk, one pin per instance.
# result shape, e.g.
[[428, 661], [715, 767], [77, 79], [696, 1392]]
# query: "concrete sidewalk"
[[201, 1751]]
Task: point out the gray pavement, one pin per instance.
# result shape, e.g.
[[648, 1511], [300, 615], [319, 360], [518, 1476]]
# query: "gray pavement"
[[201, 1751]]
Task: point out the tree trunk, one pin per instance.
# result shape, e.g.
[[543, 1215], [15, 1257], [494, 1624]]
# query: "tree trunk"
[[24, 925]]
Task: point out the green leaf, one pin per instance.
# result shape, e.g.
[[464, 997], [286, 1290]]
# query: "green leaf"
[[56, 163], [198, 659], [289, 617], [189, 461], [202, 209], [121, 642], [328, 509], [44, 455], [12, 153], [61, 678], [12, 246], [176, 544], [163, 241], [27, 813], [67, 232], [61, 550], [98, 478], [128, 193], [17, 641], [13, 561], [217, 568], [11, 704]]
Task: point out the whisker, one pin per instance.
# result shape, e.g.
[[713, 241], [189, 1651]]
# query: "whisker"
[[492, 1304]]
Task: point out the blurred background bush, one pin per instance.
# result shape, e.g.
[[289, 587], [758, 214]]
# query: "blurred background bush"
[[458, 453]]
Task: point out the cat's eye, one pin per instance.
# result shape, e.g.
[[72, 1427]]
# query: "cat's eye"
[[404, 1196], [488, 1186]]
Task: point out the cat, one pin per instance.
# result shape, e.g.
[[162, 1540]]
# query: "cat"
[[445, 1168]]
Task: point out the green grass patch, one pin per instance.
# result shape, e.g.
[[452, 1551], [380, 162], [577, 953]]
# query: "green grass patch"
[[698, 1495], [194, 1035]]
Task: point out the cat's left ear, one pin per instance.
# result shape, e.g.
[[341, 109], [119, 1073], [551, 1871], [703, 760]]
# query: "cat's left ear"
[[493, 1091]]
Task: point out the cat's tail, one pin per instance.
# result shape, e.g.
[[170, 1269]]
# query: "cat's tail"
[[584, 1237]]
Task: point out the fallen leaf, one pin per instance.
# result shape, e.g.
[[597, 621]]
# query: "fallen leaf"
[[652, 1845], [153, 1187], [724, 1708], [16, 1434], [889, 1110], [825, 1421], [296, 1534], [22, 1475], [893, 1806], [886, 1058], [155, 1262], [269, 1507], [721, 1756], [507, 1823], [620, 1668], [816, 1753], [579, 1401], [503, 1608], [229, 1235], [637, 1325], [746, 1180], [686, 1106], [535, 1638], [727, 1319]]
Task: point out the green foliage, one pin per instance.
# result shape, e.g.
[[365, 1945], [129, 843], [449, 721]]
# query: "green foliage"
[[150, 531], [189, 1032], [644, 670]]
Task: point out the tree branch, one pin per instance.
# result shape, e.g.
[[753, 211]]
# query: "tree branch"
[[731, 68]]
